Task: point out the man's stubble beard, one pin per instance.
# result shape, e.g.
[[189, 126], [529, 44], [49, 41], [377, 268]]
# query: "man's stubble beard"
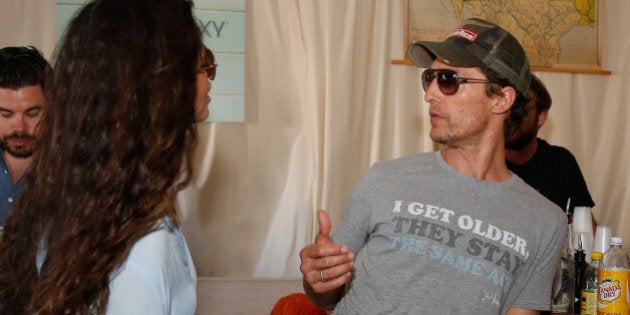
[[17, 151]]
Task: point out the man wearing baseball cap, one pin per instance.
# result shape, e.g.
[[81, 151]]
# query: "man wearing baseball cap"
[[451, 231]]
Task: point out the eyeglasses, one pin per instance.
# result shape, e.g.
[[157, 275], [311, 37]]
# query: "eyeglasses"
[[448, 80], [210, 70]]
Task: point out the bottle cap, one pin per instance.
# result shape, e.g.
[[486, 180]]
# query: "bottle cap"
[[615, 240], [597, 255]]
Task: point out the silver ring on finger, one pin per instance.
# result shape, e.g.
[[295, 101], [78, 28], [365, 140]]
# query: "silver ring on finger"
[[321, 275]]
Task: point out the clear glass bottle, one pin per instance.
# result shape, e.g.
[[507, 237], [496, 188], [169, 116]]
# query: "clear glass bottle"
[[589, 289], [612, 281]]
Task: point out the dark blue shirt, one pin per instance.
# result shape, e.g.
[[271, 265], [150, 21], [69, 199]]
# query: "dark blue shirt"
[[8, 190]]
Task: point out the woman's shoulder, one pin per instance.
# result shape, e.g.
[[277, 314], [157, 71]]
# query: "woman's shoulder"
[[164, 245], [158, 275]]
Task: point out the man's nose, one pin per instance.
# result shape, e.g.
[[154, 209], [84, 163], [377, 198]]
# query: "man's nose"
[[20, 123], [432, 89]]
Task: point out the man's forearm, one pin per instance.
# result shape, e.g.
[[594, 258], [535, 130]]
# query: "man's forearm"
[[520, 311]]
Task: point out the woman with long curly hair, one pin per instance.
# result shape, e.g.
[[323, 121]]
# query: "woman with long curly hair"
[[95, 230]]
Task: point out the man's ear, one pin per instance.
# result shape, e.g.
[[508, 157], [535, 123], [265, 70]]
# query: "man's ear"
[[505, 101], [542, 117]]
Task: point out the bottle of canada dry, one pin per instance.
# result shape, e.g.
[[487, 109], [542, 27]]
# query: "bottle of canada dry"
[[612, 280]]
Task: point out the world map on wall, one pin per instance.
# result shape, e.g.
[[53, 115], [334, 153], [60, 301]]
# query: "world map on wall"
[[554, 33]]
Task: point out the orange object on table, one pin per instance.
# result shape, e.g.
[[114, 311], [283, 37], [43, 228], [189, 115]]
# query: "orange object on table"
[[296, 303]]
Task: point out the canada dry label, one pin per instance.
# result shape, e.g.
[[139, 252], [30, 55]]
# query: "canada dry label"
[[612, 297]]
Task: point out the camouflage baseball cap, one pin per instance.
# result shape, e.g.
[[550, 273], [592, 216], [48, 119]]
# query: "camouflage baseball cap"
[[478, 43]]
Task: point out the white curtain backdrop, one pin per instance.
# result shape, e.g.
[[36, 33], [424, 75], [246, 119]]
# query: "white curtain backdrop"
[[324, 102], [28, 22]]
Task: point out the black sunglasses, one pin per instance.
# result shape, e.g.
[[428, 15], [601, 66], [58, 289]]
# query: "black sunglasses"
[[448, 80]]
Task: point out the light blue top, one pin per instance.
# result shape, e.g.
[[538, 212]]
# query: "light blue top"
[[158, 276]]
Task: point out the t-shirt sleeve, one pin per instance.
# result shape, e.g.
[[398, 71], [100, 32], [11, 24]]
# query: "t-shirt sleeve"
[[130, 293], [536, 294], [354, 227], [579, 189]]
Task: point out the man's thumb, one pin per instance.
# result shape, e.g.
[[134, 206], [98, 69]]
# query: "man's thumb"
[[324, 228]]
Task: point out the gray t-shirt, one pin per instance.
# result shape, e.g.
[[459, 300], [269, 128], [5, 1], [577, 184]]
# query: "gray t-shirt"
[[430, 240]]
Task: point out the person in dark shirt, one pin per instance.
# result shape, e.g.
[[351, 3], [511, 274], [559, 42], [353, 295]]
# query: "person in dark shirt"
[[550, 169]]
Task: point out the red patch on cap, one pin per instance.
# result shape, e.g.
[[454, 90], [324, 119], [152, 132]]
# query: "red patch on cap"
[[464, 33]]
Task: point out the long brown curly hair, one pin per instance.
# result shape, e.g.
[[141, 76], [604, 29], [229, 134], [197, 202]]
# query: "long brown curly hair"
[[115, 147]]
